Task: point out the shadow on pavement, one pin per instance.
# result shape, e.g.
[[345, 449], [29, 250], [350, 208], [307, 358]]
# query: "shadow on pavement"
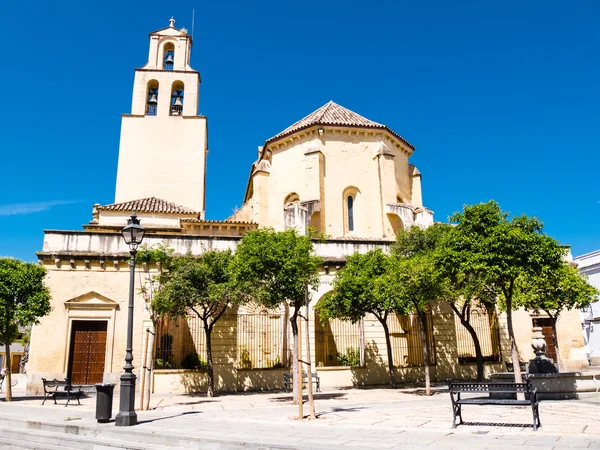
[[316, 396], [337, 410], [35, 397], [494, 424], [168, 417]]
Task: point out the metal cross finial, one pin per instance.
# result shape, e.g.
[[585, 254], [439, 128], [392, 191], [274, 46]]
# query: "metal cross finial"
[[171, 22]]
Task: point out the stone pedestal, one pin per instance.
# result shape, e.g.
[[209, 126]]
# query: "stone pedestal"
[[540, 364]]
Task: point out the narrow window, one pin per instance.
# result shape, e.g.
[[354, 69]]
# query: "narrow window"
[[350, 213]]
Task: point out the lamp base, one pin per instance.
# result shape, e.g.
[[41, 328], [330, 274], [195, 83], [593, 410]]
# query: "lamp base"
[[127, 416], [126, 419]]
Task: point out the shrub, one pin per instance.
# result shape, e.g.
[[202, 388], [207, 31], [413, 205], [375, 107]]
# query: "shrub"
[[193, 361], [350, 358]]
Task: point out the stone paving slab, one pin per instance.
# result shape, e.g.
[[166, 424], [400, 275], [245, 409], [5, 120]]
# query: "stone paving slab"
[[369, 418]]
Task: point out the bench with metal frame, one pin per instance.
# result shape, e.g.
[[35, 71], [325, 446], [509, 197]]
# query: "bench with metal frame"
[[54, 389], [288, 380], [502, 394]]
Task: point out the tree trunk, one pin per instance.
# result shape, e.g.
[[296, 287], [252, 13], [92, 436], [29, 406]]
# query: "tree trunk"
[[388, 345], [424, 342], [284, 336], [297, 396], [361, 338], [149, 368], [513, 345], [144, 370], [478, 353], [7, 380], [210, 392], [554, 319], [311, 403]]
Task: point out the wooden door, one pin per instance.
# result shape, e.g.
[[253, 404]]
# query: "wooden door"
[[88, 351], [15, 367], [546, 325]]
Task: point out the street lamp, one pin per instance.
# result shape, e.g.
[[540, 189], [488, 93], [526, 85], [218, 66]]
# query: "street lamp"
[[133, 233]]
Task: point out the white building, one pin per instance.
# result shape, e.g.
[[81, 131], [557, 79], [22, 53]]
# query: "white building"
[[589, 265]]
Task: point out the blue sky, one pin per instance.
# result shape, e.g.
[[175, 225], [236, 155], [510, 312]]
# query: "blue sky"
[[501, 99]]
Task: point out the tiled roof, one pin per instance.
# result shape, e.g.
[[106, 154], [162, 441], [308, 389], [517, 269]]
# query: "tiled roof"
[[333, 114], [218, 222], [149, 205]]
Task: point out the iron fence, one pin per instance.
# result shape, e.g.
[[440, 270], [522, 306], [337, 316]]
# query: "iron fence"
[[180, 343], [261, 341], [337, 343], [486, 328], [405, 337]]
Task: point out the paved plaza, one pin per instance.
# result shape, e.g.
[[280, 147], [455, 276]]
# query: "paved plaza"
[[363, 418]]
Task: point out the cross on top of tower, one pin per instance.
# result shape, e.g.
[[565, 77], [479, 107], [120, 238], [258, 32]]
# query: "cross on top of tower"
[[171, 22]]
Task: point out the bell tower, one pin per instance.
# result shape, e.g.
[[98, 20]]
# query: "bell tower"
[[163, 146]]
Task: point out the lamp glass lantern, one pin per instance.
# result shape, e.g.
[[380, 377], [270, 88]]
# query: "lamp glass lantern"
[[133, 233]]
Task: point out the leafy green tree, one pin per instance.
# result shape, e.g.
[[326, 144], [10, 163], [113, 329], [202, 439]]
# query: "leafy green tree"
[[554, 291], [486, 242], [276, 268], [202, 285], [413, 282], [355, 295], [467, 291], [23, 300]]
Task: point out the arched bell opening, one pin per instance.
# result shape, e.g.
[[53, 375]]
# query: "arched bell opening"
[[168, 56], [152, 98], [177, 93]]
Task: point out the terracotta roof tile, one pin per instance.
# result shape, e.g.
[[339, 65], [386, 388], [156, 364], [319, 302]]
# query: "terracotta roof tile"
[[334, 115], [218, 222], [149, 205]]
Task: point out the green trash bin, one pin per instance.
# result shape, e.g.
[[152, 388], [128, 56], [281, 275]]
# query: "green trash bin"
[[104, 400]]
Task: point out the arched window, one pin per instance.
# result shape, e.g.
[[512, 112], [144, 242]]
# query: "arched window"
[[169, 56], [350, 213], [177, 92], [152, 98]]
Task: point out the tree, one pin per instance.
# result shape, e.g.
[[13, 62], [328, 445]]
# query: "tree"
[[23, 300], [413, 282], [466, 291], [162, 256], [354, 296], [501, 250], [201, 285], [554, 291], [276, 268]]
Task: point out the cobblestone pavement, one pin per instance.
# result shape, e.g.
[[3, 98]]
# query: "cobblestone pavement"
[[368, 418]]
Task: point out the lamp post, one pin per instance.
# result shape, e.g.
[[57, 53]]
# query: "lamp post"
[[133, 233]]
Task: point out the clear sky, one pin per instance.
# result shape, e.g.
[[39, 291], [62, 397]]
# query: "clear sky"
[[501, 99]]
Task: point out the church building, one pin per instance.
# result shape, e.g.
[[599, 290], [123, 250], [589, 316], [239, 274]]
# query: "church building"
[[345, 176]]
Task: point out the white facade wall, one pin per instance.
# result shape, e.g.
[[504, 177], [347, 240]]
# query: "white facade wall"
[[589, 265]]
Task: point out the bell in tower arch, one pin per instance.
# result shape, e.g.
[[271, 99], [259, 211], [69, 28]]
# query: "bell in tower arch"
[[178, 102], [169, 58], [153, 100]]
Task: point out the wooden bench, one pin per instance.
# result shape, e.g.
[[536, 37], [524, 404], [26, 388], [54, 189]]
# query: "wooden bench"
[[502, 394], [288, 380], [54, 389]]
